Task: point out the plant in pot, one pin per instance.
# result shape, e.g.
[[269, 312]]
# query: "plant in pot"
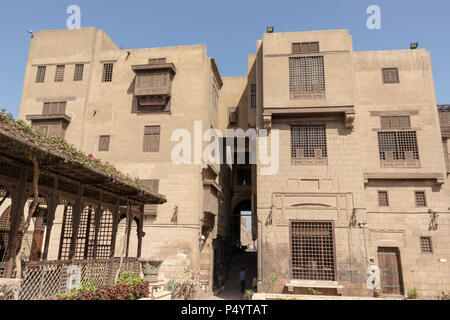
[[173, 286]]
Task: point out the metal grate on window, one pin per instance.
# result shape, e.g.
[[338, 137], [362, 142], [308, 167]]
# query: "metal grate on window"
[[308, 141], [40, 73], [78, 74], [421, 201], [398, 145], [306, 74], [107, 72], [383, 200], [390, 75], [59, 75], [253, 95], [425, 245], [312, 250]]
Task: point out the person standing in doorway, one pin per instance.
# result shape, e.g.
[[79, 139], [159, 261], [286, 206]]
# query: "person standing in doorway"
[[242, 278]]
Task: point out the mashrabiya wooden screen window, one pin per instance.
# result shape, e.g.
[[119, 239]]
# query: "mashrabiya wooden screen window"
[[105, 235], [425, 245], [309, 141], [66, 232], [312, 250], [59, 75], [421, 200], [305, 47], [107, 72], [383, 200], [151, 138], [306, 75], [390, 75], [54, 108], [398, 145], [103, 144], [78, 74], [40, 74]]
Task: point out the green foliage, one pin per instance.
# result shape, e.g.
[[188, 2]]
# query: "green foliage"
[[249, 293], [413, 294], [271, 280], [314, 291], [67, 151], [172, 285], [129, 277]]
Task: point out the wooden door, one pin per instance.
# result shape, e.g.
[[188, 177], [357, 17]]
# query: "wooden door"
[[390, 269]]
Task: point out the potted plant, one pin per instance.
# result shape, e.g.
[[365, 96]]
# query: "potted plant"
[[172, 285], [249, 294]]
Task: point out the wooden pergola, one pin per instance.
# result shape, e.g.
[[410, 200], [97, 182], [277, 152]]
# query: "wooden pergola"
[[85, 192]]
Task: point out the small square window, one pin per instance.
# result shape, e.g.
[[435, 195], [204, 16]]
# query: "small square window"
[[107, 72], [383, 200], [59, 75], [421, 200], [40, 74], [390, 75], [104, 143], [425, 245]]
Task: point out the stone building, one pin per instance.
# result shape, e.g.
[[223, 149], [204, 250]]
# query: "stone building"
[[362, 176]]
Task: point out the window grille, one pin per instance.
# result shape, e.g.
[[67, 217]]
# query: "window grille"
[[157, 61], [305, 47], [312, 250], [66, 233], [425, 245], [308, 141], [390, 75], [78, 74], [253, 96], [107, 72], [421, 200], [54, 108], [151, 139], [104, 236], [398, 145], [383, 200], [103, 144], [395, 122], [84, 245], [40, 73], [306, 74], [152, 79], [59, 75]]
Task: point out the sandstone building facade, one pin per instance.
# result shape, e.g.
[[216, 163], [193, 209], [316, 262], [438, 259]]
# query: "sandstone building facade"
[[363, 162]]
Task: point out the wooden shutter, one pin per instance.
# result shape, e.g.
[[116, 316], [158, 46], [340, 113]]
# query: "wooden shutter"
[[103, 143], [385, 122], [151, 138], [46, 108], [405, 122], [151, 209]]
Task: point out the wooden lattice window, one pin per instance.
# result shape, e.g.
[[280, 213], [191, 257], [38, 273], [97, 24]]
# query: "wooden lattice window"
[[78, 74], [312, 250], [54, 108], [308, 141], [152, 79], [107, 72], [390, 75], [85, 239], [306, 74], [151, 138], [103, 144], [66, 233], [59, 75], [395, 122], [398, 145], [305, 47], [425, 245], [421, 200], [105, 235], [40, 74], [383, 200], [253, 96], [157, 61]]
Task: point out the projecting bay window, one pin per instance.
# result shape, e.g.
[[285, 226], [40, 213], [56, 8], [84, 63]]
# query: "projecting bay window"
[[309, 144], [306, 77], [53, 121]]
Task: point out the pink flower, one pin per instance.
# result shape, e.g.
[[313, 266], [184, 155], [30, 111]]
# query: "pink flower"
[[90, 156]]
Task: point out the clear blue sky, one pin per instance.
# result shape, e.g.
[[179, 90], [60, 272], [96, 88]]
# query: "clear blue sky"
[[229, 28]]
